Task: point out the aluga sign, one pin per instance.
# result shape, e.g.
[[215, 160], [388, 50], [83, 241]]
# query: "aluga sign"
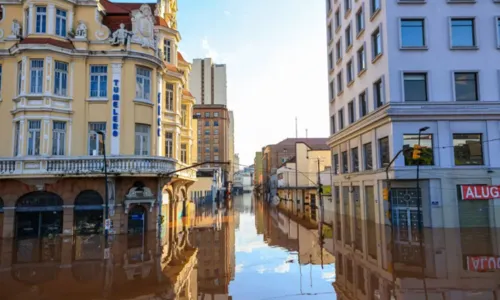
[[480, 192], [483, 263]]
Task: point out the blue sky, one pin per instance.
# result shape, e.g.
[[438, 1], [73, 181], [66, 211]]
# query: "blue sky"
[[275, 51]]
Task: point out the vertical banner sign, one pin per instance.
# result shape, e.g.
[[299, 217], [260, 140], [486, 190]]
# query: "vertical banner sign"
[[158, 113], [479, 192], [115, 108]]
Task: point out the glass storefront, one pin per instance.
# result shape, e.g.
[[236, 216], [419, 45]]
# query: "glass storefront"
[[88, 213], [39, 214]]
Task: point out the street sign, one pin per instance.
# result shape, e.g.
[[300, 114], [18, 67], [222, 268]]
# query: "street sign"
[[107, 224], [107, 253], [137, 217]]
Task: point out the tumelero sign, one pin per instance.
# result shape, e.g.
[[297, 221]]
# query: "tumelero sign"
[[479, 192]]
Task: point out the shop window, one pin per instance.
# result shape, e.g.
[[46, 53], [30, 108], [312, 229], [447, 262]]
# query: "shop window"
[[426, 156], [468, 149]]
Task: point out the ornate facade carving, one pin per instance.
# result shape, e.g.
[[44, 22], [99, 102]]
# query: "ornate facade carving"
[[121, 36], [81, 30], [103, 32], [15, 29], [143, 26]]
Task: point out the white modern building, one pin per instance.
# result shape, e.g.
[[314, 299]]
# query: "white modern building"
[[396, 67], [208, 82]]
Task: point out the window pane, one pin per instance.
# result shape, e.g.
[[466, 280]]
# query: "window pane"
[[415, 86], [426, 157], [384, 152], [367, 154], [345, 162], [466, 87], [462, 33], [412, 33], [468, 149], [355, 160]]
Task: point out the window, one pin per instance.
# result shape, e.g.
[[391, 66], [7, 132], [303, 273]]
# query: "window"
[[142, 139], [363, 105], [36, 80], [207, 140], [426, 157], [19, 76], [216, 149], [58, 137], [338, 50], [34, 131], [415, 86], [354, 160], [169, 144], [329, 32], [347, 6], [216, 157], [216, 114], [216, 131], [466, 86], [361, 59], [167, 50], [468, 149], [184, 153], [376, 43], [367, 156], [216, 123], [207, 115], [41, 19], [328, 5], [99, 81], [61, 22], [378, 93], [340, 115], [94, 138], [331, 90], [350, 109], [184, 115], [463, 33], [207, 149], [350, 72], [17, 136], [360, 21], [412, 33], [498, 32], [207, 123], [345, 163], [337, 19], [143, 84], [332, 124], [375, 6], [207, 131], [340, 83], [169, 97], [383, 145], [330, 61], [61, 79], [348, 37], [336, 164]]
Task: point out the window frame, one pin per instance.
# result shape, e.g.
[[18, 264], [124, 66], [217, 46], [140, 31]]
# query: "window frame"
[[60, 21], [169, 97], [101, 76], [360, 15], [144, 145], [375, 10], [61, 77], [348, 36], [481, 141], [340, 83], [382, 93], [497, 28], [19, 77], [350, 74], [169, 144], [477, 84], [183, 157], [332, 125], [17, 137], [424, 33], [365, 156], [381, 162], [427, 88], [36, 76], [354, 167], [92, 133], [34, 138], [41, 19], [351, 111], [475, 36], [167, 49], [143, 97], [340, 115], [376, 56], [59, 138], [364, 62], [365, 97]]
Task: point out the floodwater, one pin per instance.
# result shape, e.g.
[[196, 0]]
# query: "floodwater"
[[248, 250]]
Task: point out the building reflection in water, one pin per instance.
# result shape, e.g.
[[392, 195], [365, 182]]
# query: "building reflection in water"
[[450, 263]]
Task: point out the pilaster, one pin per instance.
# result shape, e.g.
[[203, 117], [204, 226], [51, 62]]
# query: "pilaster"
[[31, 13], [68, 215], [51, 17], [24, 67], [48, 74]]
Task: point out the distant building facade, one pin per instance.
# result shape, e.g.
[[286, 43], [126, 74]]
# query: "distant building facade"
[[208, 82]]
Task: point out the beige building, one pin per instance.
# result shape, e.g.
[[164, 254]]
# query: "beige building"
[[208, 82]]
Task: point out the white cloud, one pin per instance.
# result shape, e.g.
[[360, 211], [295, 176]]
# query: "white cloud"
[[209, 51], [261, 269], [227, 13], [250, 246], [238, 268], [283, 268], [328, 276]]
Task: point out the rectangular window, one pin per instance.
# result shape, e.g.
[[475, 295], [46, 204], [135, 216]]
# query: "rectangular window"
[[61, 78], [207, 131], [19, 76], [355, 159], [169, 97], [216, 114], [167, 49], [332, 124], [378, 93], [337, 19], [207, 123], [143, 84], [351, 111], [350, 72], [376, 43], [361, 59], [34, 132], [468, 149], [367, 156], [348, 37], [17, 136], [207, 115], [385, 158], [207, 149], [345, 163], [330, 61], [184, 153], [58, 137], [328, 5], [463, 33], [184, 116], [466, 86], [216, 131], [347, 6], [216, 123], [142, 137], [36, 80], [95, 141], [415, 86], [329, 32], [216, 149], [41, 19], [61, 22], [169, 144], [360, 20], [338, 50], [363, 105], [331, 90], [216, 157], [412, 33], [340, 115], [426, 156], [99, 81], [375, 6], [340, 83], [336, 164]]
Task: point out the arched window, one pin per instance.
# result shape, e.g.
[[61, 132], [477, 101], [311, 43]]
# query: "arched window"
[[40, 201], [88, 200]]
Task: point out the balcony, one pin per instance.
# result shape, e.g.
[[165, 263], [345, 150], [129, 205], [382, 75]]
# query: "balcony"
[[189, 174], [89, 165]]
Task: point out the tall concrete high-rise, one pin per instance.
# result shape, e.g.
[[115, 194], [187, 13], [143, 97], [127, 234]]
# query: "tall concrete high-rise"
[[208, 82]]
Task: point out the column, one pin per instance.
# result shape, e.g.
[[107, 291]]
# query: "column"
[[45, 135], [68, 219], [51, 17], [24, 67], [48, 75], [115, 108], [9, 214], [69, 24], [31, 18]]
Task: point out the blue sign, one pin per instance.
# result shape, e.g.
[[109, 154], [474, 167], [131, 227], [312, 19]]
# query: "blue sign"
[[115, 122], [137, 217]]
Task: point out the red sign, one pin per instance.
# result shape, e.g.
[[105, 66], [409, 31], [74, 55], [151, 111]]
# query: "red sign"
[[483, 263], [480, 192]]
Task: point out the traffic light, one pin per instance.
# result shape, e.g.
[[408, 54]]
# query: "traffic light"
[[417, 152], [385, 194]]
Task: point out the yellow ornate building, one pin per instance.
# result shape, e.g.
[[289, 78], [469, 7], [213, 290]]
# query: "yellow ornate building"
[[73, 72]]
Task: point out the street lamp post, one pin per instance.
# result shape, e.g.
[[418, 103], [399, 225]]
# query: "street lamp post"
[[419, 200], [106, 192]]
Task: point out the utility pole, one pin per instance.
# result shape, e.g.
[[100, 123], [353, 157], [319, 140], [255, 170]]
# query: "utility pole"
[[107, 223]]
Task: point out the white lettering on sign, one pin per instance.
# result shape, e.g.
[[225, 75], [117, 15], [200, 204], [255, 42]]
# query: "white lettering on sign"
[[479, 192], [115, 107], [483, 263]]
